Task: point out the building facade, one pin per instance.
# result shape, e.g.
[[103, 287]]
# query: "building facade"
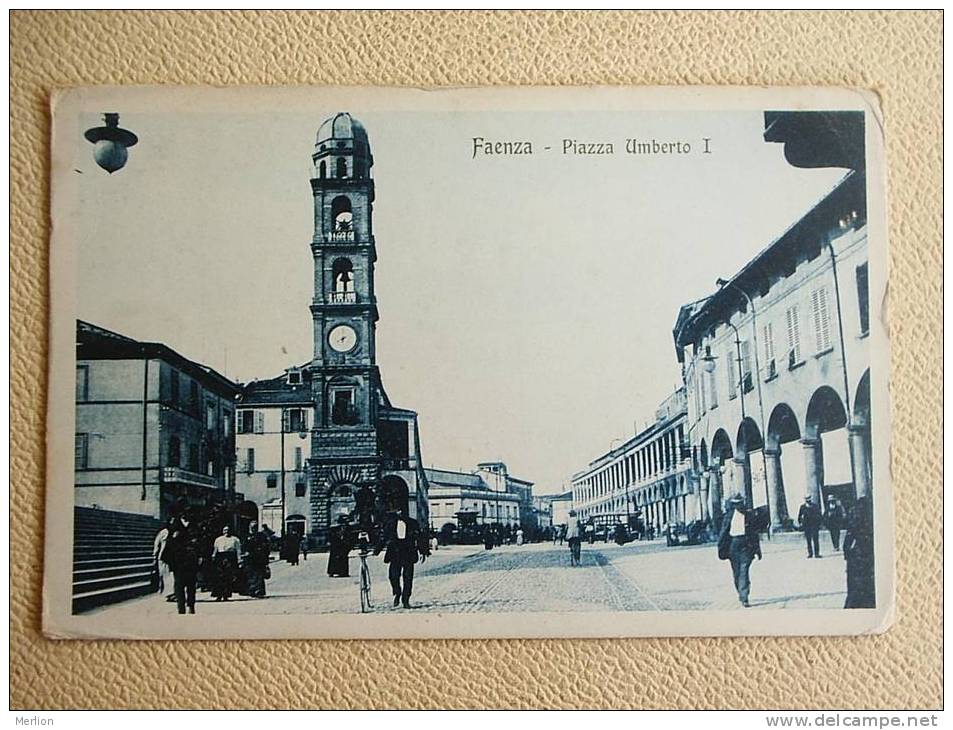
[[153, 429], [361, 445], [490, 495], [559, 508], [776, 362], [646, 477], [273, 445]]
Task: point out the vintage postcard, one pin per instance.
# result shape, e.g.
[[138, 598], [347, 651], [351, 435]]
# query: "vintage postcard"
[[363, 363]]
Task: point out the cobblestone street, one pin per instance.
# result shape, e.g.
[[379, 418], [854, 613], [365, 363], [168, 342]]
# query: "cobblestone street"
[[645, 576]]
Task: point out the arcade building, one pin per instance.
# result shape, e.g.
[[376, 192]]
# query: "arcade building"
[[776, 362]]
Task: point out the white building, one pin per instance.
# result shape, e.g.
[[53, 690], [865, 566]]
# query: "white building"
[[274, 417], [776, 362], [647, 476], [483, 494], [560, 505]]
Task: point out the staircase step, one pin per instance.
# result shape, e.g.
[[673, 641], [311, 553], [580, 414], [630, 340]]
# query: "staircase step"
[[99, 530], [85, 563], [86, 586], [110, 541], [106, 596], [84, 575], [107, 554]]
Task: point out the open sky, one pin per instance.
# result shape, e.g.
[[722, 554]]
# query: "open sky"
[[526, 302]]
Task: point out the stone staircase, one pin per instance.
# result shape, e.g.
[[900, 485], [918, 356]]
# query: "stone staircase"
[[112, 556]]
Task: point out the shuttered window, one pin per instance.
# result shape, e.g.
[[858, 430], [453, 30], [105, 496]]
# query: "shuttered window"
[[702, 401], [82, 382], [794, 336], [822, 320], [82, 451], [732, 370], [863, 299]]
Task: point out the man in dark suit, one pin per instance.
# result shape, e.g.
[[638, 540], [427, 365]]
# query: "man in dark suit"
[[739, 542], [183, 555], [809, 518], [403, 543]]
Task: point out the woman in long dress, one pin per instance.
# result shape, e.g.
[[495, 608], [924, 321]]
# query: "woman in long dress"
[[340, 544]]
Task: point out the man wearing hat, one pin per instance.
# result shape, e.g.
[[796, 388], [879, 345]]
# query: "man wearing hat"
[[739, 542], [809, 519], [574, 538]]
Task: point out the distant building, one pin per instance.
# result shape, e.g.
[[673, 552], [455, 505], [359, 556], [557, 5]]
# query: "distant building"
[[776, 362], [152, 428], [560, 505], [648, 475], [271, 414], [543, 510], [486, 496], [496, 470]]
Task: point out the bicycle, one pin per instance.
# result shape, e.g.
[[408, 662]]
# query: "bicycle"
[[365, 573]]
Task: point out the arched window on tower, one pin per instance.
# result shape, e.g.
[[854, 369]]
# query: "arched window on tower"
[[342, 220], [342, 278], [341, 167], [323, 169]]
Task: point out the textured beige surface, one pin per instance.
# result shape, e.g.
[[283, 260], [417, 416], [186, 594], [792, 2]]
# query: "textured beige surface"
[[897, 55]]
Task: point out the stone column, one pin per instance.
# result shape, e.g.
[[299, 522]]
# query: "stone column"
[[857, 437], [703, 495], [772, 461], [717, 495], [812, 465], [743, 479]]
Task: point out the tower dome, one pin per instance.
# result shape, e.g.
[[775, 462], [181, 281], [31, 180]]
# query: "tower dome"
[[341, 150], [342, 126]]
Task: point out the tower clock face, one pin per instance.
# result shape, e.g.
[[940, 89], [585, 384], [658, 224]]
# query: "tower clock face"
[[342, 338]]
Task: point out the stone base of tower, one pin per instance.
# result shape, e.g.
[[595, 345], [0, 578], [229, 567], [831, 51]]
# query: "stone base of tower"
[[341, 463]]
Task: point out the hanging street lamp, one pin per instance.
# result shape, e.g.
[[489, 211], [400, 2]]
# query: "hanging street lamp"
[[112, 143]]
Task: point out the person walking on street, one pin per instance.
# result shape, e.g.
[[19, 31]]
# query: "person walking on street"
[[257, 557], [404, 543], [164, 587], [809, 519], [835, 520], [292, 546], [591, 532], [519, 536], [304, 546], [859, 554], [739, 543], [226, 555], [573, 535], [339, 547], [183, 556]]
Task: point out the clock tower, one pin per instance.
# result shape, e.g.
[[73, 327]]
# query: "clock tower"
[[344, 375]]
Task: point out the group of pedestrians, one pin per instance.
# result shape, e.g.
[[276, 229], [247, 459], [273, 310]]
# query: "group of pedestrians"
[[228, 568], [810, 520], [740, 543]]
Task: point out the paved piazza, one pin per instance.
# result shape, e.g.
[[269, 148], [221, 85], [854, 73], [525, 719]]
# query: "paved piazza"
[[646, 576]]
